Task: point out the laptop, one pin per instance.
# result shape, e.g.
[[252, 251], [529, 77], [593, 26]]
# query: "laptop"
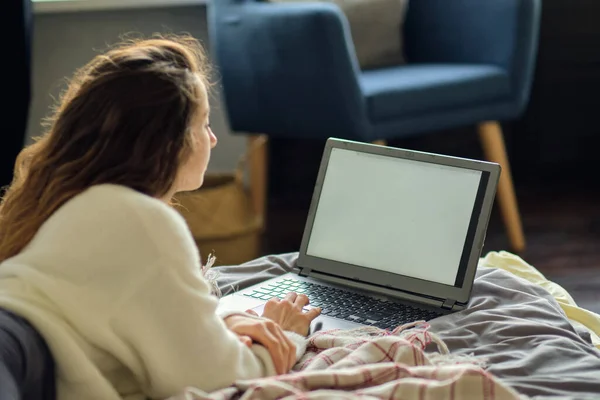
[[392, 236]]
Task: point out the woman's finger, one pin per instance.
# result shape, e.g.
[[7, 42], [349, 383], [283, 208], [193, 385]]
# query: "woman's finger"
[[313, 313], [292, 347], [252, 312], [265, 332], [291, 353], [246, 340], [291, 296], [301, 301], [271, 342], [288, 347], [272, 301]]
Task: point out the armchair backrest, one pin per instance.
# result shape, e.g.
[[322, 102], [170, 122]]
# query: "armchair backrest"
[[497, 32], [287, 69]]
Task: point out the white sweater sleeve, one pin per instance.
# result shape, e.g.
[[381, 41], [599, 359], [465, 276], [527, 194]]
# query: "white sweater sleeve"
[[170, 325], [177, 339]]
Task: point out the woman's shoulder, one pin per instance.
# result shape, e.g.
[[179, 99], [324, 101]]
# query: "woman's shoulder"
[[116, 195], [112, 208], [127, 204], [116, 223], [102, 204]]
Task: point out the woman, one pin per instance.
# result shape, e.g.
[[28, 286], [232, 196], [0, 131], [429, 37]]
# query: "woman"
[[94, 257]]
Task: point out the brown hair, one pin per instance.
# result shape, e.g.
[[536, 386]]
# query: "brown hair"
[[124, 119]]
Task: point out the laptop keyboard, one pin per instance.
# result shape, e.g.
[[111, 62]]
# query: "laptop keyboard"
[[350, 306]]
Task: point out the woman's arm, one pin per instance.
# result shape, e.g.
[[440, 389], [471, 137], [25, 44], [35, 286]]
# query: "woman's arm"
[[175, 339], [167, 325]]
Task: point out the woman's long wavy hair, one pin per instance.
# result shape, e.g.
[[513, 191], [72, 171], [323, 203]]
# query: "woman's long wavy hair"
[[124, 119]]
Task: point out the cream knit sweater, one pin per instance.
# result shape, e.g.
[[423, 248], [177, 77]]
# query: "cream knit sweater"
[[112, 281]]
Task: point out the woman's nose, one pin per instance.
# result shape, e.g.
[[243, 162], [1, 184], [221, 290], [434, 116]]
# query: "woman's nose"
[[213, 140]]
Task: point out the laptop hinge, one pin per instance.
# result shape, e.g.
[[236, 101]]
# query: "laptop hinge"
[[304, 271], [448, 304]]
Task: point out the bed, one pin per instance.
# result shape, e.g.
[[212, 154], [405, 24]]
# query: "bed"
[[522, 336]]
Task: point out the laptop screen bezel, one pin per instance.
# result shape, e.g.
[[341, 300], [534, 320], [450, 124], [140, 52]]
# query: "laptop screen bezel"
[[459, 293]]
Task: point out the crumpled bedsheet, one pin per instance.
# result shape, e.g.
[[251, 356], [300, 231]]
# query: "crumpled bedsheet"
[[513, 322], [368, 363]]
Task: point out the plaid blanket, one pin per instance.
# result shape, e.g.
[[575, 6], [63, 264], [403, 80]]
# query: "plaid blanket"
[[368, 363]]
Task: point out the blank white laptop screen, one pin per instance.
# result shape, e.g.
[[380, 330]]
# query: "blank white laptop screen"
[[395, 215]]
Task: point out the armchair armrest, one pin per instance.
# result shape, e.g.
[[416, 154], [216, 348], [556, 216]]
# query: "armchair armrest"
[[287, 69], [497, 32]]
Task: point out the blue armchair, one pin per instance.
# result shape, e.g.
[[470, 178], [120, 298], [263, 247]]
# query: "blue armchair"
[[290, 70]]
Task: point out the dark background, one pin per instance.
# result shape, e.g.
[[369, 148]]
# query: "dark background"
[[15, 74]]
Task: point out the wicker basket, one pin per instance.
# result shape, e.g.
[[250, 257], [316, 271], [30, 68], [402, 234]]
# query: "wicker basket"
[[222, 219]]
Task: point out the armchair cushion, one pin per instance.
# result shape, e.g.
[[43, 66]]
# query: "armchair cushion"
[[417, 89], [376, 27]]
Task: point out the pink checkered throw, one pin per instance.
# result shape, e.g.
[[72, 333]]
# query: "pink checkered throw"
[[368, 363]]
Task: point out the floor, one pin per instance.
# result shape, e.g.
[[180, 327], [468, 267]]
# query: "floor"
[[562, 227]]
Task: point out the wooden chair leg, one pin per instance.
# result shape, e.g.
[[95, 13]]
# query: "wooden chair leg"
[[492, 141], [380, 142], [258, 156]]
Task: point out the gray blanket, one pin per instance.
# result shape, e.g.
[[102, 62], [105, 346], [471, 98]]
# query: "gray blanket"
[[517, 326]]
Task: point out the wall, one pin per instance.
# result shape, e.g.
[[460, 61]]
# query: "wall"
[[65, 41]]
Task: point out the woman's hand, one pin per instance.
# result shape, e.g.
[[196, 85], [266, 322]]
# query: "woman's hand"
[[267, 333], [288, 314], [246, 340]]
